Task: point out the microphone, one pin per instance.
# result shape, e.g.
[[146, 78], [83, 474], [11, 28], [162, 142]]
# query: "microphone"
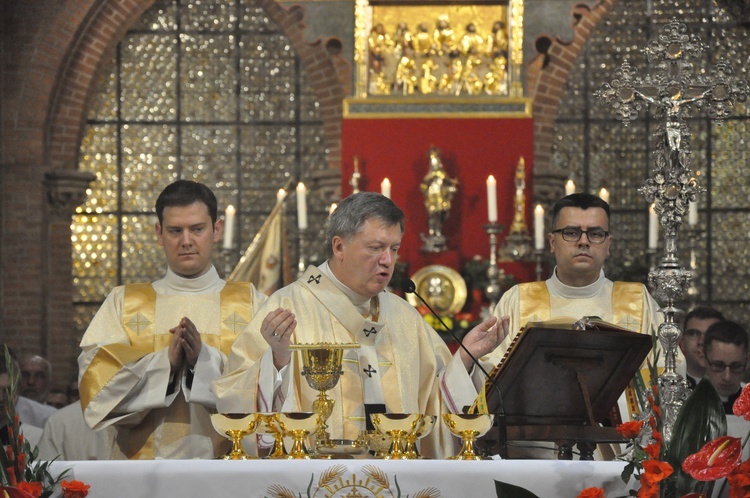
[[409, 287]]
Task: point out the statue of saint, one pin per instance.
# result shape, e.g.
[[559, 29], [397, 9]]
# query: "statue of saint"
[[438, 190], [406, 73]]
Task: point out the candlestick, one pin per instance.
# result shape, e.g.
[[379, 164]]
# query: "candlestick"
[[653, 228], [538, 227], [492, 199], [385, 187], [570, 187], [301, 206], [604, 194], [693, 213], [229, 227]]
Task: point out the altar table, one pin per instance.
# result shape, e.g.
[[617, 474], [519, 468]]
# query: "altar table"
[[342, 478]]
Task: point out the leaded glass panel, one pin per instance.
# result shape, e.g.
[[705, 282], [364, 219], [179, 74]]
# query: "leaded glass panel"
[[208, 90], [601, 149]]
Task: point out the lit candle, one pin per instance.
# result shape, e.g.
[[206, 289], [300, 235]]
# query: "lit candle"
[[385, 187], [492, 199], [332, 208], [604, 194], [301, 206], [229, 227], [280, 195], [538, 227], [653, 228], [693, 214], [570, 187]]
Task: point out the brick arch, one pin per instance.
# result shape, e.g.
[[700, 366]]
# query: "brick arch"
[[547, 75]]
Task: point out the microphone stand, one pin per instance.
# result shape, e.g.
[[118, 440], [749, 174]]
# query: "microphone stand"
[[502, 438]]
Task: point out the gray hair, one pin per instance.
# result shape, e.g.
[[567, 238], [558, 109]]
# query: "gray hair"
[[352, 213]]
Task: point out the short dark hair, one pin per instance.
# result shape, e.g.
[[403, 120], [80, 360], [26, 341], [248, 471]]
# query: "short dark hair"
[[184, 193], [580, 200], [728, 332], [702, 313], [355, 210]]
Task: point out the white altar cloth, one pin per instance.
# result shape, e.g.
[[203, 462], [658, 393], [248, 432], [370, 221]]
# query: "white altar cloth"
[[341, 478]]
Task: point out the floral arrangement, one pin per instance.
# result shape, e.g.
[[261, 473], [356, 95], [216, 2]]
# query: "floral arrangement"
[[22, 475], [700, 451]]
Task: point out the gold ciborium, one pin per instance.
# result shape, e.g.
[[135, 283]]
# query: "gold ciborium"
[[235, 426], [298, 425], [424, 427], [379, 443], [322, 368], [468, 426], [268, 423], [398, 426]]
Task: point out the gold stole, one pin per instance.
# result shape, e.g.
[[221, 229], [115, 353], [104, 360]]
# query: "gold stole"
[[627, 312], [627, 304], [138, 318]]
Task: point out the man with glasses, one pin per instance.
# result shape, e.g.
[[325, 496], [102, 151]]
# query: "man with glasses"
[[725, 359], [580, 241], [694, 328]]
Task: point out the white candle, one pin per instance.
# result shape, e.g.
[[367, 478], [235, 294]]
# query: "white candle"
[[693, 214], [280, 195], [385, 187], [229, 227], [538, 227], [301, 206], [604, 194], [653, 228], [492, 199], [570, 187], [332, 208]]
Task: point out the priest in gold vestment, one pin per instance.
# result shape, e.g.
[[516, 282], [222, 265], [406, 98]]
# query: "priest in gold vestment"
[[402, 366], [152, 350]]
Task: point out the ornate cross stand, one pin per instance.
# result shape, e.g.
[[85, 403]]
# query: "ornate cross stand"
[[672, 89]]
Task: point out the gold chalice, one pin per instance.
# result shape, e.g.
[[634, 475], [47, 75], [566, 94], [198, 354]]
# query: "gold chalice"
[[398, 426], [424, 427], [379, 443], [468, 426], [298, 425], [268, 423], [235, 426], [322, 369]]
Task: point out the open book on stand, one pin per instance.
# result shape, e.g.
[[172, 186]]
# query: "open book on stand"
[[565, 372]]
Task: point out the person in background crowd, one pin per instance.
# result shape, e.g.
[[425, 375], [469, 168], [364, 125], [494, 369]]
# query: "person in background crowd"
[[725, 359], [694, 328], [36, 378]]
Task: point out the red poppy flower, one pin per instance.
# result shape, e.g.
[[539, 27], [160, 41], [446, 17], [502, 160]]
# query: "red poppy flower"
[[74, 489], [33, 488], [715, 460], [630, 430], [655, 471], [741, 406], [739, 481], [592, 493]]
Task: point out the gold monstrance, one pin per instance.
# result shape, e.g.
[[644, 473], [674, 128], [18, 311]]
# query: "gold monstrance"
[[322, 369]]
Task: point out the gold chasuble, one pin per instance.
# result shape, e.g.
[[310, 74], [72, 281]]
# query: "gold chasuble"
[[126, 372], [397, 364]]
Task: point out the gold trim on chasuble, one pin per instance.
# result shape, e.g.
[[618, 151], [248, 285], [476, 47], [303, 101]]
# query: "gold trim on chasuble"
[[138, 318]]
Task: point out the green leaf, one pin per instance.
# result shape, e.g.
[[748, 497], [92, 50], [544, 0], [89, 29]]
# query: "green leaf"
[[701, 419], [505, 490]]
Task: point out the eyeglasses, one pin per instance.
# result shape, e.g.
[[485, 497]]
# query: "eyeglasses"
[[573, 234], [720, 366]]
